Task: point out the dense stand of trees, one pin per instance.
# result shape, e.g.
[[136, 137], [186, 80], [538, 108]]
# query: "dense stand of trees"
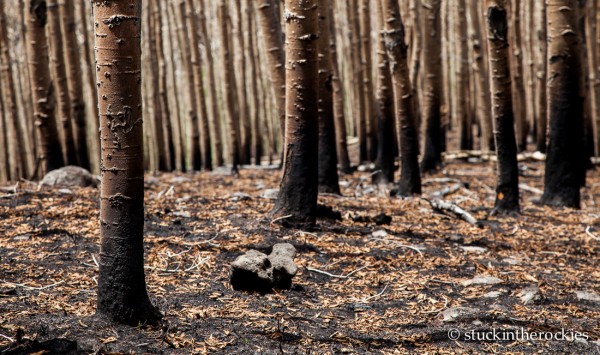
[[214, 82], [191, 85]]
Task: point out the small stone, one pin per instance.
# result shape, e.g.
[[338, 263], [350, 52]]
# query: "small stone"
[[182, 214], [587, 296], [270, 194], [482, 280], [457, 314], [379, 234], [529, 294], [69, 176], [256, 271]]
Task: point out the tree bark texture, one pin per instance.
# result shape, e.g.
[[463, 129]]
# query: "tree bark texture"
[[507, 181], [565, 169], [122, 295], [297, 200], [410, 178]]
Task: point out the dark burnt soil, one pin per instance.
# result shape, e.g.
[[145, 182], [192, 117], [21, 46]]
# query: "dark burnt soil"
[[361, 288]]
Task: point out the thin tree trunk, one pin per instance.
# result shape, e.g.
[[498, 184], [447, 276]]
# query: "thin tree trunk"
[[122, 294], [229, 87], [385, 110], [520, 110], [257, 147], [480, 79], [75, 84], [565, 169], [196, 66], [328, 175], [542, 75], [359, 72], [59, 74], [51, 156], [242, 86], [11, 115], [272, 36], [214, 119], [338, 100], [410, 179], [432, 100], [462, 78], [507, 181], [367, 71], [297, 200]]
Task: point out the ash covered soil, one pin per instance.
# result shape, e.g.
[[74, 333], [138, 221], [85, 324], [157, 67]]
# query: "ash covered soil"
[[361, 287]]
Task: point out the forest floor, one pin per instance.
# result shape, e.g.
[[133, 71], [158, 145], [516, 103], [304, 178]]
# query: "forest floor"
[[406, 287]]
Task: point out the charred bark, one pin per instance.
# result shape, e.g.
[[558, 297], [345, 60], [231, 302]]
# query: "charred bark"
[[385, 111], [410, 178], [565, 160], [431, 105], [122, 295], [42, 90], [328, 174], [297, 200], [507, 180]]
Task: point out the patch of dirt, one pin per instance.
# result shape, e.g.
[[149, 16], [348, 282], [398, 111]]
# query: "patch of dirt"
[[386, 295]]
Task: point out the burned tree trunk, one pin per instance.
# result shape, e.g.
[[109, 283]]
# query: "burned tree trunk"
[[338, 100], [297, 200], [196, 66], [385, 111], [61, 86], [507, 183], [51, 156], [565, 160], [328, 175], [75, 83], [122, 295], [410, 178], [229, 86], [432, 100], [272, 36]]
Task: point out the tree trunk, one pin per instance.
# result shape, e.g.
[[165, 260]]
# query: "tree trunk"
[[297, 200], [432, 67], [367, 82], [385, 110], [338, 99], [75, 84], [196, 66], [360, 94], [507, 181], [542, 76], [51, 156], [463, 115], [273, 43], [410, 179], [14, 134], [59, 75], [520, 109], [257, 134], [480, 80], [122, 295], [242, 86], [328, 175], [229, 87], [565, 167]]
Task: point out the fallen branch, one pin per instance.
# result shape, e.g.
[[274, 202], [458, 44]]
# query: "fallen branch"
[[31, 288], [367, 299], [445, 206], [7, 338], [333, 275]]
